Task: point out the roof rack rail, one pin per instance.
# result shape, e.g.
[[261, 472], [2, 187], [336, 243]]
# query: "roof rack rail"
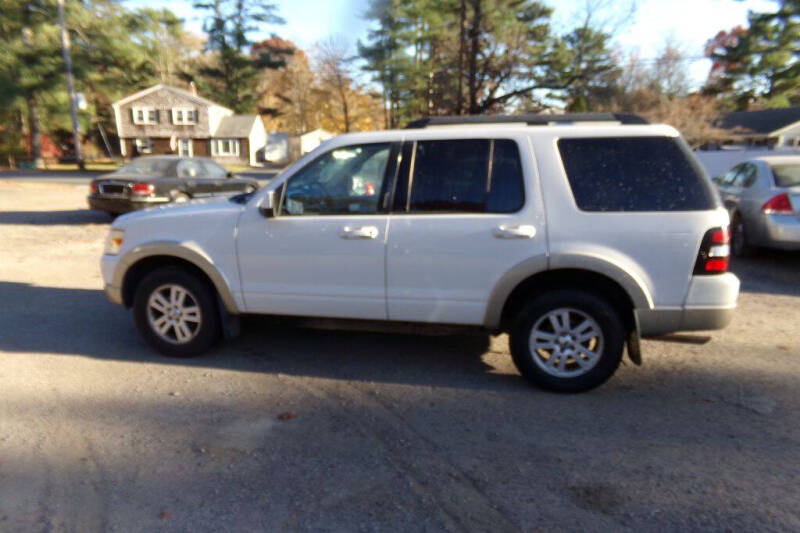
[[529, 119]]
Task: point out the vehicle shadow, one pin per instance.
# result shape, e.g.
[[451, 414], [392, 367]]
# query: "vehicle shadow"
[[82, 322], [54, 218], [769, 272]]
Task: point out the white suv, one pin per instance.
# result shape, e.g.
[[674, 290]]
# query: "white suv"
[[576, 234]]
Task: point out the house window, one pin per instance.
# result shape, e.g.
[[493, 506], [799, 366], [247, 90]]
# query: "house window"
[[184, 115], [144, 146], [145, 115], [225, 147]]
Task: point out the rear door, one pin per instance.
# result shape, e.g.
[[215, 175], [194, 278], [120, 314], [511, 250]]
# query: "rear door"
[[465, 212]]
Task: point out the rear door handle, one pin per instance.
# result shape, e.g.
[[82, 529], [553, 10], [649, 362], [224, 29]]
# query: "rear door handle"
[[359, 232], [509, 231]]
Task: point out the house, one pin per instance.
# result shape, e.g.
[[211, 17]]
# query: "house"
[[167, 120], [312, 139], [773, 128]]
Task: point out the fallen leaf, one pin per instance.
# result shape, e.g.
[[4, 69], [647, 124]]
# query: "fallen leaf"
[[163, 515], [288, 415]]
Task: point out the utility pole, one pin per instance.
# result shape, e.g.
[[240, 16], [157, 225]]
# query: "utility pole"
[[73, 99]]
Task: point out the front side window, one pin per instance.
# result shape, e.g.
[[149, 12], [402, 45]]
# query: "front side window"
[[634, 174], [213, 170], [344, 181], [466, 176]]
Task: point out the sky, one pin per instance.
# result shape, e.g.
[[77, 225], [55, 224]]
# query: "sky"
[[689, 23]]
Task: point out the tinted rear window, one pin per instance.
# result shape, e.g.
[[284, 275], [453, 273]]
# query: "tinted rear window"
[[634, 174]]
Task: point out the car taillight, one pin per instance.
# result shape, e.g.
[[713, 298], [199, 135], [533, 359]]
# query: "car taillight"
[[142, 189], [93, 188], [778, 205], [714, 254]]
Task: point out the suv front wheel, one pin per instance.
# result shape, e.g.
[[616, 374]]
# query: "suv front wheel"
[[567, 341], [175, 312]]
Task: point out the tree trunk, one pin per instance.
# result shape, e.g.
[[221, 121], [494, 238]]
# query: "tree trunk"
[[35, 132], [462, 43], [474, 49]]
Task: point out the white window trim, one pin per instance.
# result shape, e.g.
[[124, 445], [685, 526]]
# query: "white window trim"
[[216, 147], [191, 148], [145, 114], [188, 115], [143, 145]]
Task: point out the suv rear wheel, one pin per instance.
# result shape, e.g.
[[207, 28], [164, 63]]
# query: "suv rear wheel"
[[175, 312], [567, 341]]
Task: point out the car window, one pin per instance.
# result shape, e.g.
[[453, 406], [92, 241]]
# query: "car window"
[[146, 166], [343, 181], [466, 176], [634, 174], [212, 169], [786, 175], [730, 176], [746, 176], [189, 168]]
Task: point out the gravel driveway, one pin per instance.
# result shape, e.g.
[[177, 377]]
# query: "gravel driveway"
[[292, 429]]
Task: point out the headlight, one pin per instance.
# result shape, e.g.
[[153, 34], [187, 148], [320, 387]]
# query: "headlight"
[[114, 241]]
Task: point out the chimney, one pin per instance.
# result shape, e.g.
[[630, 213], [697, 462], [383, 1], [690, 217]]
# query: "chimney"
[[193, 88]]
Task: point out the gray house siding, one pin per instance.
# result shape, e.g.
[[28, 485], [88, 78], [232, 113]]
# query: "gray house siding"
[[163, 101]]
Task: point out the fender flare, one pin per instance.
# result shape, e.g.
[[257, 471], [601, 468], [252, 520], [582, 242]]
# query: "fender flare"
[[183, 251], [630, 283]]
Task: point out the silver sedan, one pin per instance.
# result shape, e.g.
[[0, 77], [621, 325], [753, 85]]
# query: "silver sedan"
[[762, 196]]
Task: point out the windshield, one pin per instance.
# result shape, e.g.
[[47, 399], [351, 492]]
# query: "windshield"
[[786, 175], [150, 167]]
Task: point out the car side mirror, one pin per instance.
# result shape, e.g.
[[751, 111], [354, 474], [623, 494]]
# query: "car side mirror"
[[716, 179], [267, 206]]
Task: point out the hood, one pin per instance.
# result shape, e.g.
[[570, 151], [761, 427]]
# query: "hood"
[[200, 209]]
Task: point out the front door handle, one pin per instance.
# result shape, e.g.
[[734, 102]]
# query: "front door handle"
[[359, 232], [508, 231]]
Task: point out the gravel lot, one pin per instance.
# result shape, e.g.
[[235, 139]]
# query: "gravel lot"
[[391, 432]]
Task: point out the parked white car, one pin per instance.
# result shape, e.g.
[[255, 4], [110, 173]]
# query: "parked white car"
[[575, 234]]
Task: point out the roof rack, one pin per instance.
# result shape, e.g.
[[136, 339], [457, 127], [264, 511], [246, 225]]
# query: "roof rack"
[[530, 119]]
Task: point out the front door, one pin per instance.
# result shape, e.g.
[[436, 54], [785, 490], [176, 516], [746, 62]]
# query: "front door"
[[323, 254], [463, 217], [185, 148]]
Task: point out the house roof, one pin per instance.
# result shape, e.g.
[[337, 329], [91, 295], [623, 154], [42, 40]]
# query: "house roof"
[[185, 94], [764, 121], [235, 126]]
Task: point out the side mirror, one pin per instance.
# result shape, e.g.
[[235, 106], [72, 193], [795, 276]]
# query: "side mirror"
[[716, 179], [267, 206], [229, 174]]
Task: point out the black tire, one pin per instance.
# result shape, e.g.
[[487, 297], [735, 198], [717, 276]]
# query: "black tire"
[[739, 245], [207, 330], [605, 317]]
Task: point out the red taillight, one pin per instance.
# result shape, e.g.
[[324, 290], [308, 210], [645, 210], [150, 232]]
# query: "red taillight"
[[713, 257], [93, 188], [717, 265], [142, 189], [721, 236], [779, 205]]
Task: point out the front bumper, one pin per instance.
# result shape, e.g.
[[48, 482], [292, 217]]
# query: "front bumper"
[[710, 304], [108, 264], [123, 204]]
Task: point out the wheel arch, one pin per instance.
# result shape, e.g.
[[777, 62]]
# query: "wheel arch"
[[137, 263], [517, 286]]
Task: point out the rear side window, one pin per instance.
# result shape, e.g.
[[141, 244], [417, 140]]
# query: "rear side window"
[[786, 175], [634, 174], [466, 176]]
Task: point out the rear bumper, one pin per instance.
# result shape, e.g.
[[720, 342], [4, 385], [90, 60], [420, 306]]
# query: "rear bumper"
[[782, 231], [119, 205], [710, 304]]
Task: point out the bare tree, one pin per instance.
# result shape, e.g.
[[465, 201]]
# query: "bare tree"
[[333, 65]]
